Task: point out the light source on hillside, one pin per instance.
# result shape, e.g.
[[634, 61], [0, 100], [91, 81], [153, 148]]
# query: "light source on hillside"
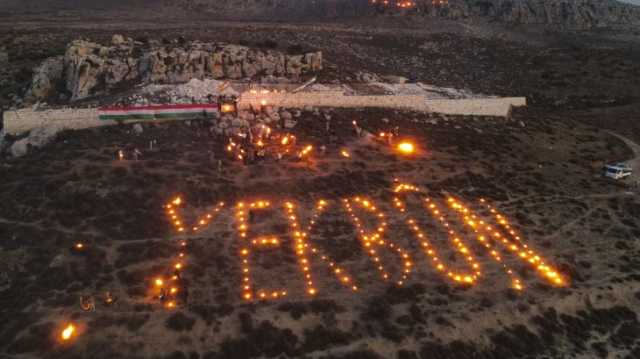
[[406, 148], [68, 332]]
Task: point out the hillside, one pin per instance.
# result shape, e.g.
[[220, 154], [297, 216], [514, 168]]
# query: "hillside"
[[579, 14]]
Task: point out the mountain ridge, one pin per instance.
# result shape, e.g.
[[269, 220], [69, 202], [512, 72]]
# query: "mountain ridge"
[[580, 14]]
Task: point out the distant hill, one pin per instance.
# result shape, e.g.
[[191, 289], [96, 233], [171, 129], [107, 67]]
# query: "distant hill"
[[567, 13]]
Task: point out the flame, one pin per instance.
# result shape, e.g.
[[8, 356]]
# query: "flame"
[[345, 153], [226, 108], [306, 150], [406, 147], [67, 332]]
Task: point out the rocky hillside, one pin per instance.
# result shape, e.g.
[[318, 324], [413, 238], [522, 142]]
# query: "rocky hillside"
[[88, 68], [567, 13], [579, 14]]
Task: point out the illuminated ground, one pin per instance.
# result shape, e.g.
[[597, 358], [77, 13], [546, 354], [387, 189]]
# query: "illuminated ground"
[[544, 177]]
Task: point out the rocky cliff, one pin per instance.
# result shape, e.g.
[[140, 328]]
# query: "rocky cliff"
[[88, 68]]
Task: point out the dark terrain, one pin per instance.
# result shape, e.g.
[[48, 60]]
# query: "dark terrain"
[[542, 169]]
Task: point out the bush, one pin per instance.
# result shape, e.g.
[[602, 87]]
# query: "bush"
[[265, 340], [320, 338], [180, 322], [378, 310]]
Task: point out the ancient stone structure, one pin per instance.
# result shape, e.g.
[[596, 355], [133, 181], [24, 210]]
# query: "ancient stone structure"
[[21, 121], [88, 68]]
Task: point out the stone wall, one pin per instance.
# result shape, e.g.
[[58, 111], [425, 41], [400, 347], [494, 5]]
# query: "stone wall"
[[499, 107], [20, 121]]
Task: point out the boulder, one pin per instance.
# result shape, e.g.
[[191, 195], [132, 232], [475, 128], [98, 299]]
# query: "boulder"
[[294, 65], [117, 39], [38, 137], [286, 115], [246, 115], [137, 129], [46, 78]]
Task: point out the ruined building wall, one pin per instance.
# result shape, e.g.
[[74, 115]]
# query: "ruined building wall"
[[20, 121]]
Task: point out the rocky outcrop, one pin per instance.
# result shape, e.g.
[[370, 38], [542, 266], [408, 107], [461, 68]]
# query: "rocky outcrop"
[[46, 78], [38, 137], [88, 68], [579, 14]]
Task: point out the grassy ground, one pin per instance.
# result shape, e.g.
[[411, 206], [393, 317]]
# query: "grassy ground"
[[543, 173]]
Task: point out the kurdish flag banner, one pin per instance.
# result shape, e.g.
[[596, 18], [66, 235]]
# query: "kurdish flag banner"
[[159, 112]]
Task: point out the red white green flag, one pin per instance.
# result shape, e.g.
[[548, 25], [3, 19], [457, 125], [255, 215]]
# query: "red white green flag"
[[159, 112]]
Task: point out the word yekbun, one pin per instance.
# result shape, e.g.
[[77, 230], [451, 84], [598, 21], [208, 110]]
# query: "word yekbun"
[[491, 231]]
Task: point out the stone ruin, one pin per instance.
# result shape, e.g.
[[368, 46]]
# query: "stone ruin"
[[89, 69]]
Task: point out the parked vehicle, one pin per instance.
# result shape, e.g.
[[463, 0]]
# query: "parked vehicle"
[[617, 170]]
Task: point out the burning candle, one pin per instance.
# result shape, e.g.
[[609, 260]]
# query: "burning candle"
[[227, 108], [406, 148], [68, 332]]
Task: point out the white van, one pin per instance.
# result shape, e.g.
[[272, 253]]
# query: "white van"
[[617, 171]]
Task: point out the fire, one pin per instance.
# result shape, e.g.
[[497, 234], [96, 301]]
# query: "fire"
[[345, 153], [406, 148], [306, 150], [227, 108], [79, 245], [68, 332]]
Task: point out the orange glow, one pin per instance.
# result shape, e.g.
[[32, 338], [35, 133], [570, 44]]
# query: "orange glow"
[[345, 153], [406, 148], [227, 108], [306, 151], [492, 231], [68, 332]]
